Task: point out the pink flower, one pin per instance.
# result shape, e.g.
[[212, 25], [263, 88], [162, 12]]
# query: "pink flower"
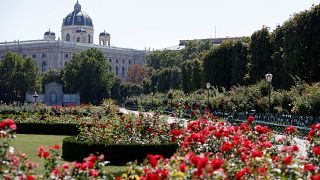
[[182, 167], [93, 173], [290, 130]]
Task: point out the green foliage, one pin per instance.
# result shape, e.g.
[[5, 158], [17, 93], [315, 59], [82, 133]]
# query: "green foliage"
[[47, 128], [195, 49], [18, 75], [163, 59], [130, 89], [225, 65], [169, 78], [88, 73], [73, 149], [192, 75], [260, 54]]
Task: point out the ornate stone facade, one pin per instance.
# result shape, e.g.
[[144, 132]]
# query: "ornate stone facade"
[[77, 35]]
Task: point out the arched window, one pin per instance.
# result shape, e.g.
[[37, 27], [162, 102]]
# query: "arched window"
[[78, 39], [117, 71], [123, 72], [43, 66], [67, 37], [89, 38]]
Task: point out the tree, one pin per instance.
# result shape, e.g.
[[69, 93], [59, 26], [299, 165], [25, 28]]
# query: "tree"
[[163, 59], [18, 75], [169, 78], [88, 73], [261, 49], [136, 73]]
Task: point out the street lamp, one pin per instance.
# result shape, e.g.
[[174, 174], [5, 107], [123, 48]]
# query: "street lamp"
[[269, 80], [208, 88], [35, 96]]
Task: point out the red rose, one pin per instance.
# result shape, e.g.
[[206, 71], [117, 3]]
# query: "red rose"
[[46, 154], [182, 167], [93, 173], [287, 160], [216, 164], [316, 150], [290, 130], [250, 119]]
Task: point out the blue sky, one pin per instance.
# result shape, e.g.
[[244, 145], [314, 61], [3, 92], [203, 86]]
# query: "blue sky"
[[148, 23]]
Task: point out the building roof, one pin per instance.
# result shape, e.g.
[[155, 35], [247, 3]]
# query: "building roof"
[[77, 17]]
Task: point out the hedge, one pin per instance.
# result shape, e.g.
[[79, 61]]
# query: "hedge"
[[47, 128], [117, 154]]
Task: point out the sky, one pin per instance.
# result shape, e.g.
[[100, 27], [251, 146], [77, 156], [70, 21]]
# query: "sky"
[[153, 24]]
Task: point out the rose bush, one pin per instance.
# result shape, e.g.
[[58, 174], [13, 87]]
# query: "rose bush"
[[213, 150]]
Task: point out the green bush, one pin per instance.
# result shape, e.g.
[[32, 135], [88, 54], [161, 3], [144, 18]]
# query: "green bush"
[[117, 154], [47, 128]]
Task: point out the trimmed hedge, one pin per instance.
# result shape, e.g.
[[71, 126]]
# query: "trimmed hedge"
[[47, 128], [117, 154]]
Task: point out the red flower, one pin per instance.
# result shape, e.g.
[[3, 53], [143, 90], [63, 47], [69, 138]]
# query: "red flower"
[[30, 177], [152, 176], [46, 154], [182, 167], [56, 171], [287, 160], [290, 130], [226, 147], [93, 173], [176, 132], [295, 148], [202, 163], [118, 178], [316, 150], [250, 119], [240, 174], [256, 154], [153, 159], [216, 164], [91, 158], [164, 174]]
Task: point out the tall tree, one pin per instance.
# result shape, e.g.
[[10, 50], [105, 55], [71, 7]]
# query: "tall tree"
[[18, 75], [88, 73], [136, 74], [260, 54]]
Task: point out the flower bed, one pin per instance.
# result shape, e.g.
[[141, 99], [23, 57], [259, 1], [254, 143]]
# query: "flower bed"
[[210, 150]]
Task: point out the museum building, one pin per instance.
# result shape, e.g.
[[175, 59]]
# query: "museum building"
[[77, 34]]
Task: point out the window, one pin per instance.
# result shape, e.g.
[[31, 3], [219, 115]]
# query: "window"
[[123, 72], [123, 61], [117, 71], [78, 39], [110, 60], [116, 60], [67, 37], [89, 38], [129, 62], [34, 56], [43, 66], [44, 55], [79, 19], [66, 55], [110, 68]]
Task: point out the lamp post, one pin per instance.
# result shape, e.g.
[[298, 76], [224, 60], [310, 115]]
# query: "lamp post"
[[208, 88], [269, 80], [35, 96]]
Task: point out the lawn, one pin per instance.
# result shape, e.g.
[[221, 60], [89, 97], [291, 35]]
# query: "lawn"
[[29, 143]]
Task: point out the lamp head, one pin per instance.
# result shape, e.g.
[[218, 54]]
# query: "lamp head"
[[269, 77]]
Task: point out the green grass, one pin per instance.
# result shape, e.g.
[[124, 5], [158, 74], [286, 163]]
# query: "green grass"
[[29, 143]]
